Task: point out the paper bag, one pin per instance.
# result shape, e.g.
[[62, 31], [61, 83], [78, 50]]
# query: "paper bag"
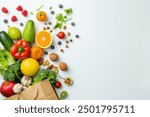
[[40, 91]]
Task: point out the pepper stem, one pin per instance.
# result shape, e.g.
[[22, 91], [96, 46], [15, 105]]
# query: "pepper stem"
[[20, 49]]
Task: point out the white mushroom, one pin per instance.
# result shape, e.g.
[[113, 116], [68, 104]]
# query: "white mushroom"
[[18, 88], [26, 81]]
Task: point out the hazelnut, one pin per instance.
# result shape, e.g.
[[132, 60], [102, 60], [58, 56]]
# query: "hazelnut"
[[63, 66], [53, 57]]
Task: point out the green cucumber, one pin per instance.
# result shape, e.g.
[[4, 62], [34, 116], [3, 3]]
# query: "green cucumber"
[[5, 40]]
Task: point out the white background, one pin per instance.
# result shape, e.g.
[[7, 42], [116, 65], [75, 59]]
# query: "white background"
[[141, 108], [111, 59]]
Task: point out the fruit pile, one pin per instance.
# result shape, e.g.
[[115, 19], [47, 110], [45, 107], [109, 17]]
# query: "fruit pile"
[[22, 61]]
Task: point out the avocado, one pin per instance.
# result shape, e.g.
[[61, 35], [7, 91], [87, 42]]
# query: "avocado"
[[29, 32]]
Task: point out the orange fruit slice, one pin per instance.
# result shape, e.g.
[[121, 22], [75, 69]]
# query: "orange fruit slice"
[[44, 39]]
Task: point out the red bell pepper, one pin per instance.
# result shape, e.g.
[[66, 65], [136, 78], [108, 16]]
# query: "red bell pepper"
[[20, 50]]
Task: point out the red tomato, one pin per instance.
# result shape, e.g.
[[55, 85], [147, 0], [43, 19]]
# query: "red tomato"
[[58, 84], [61, 35]]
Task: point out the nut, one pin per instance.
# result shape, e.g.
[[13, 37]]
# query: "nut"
[[63, 66], [50, 67], [62, 50], [56, 69], [53, 57], [46, 63], [41, 61], [66, 46], [68, 81]]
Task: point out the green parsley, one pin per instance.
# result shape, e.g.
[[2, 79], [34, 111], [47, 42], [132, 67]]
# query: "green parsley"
[[68, 11], [61, 19], [58, 25]]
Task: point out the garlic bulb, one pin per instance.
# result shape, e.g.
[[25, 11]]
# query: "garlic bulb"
[[26, 81], [18, 88]]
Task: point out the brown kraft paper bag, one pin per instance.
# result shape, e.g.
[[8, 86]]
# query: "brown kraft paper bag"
[[40, 91]]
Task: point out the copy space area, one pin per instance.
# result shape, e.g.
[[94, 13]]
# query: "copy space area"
[[111, 60]]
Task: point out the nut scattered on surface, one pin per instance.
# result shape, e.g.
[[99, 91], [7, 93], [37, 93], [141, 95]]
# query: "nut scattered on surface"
[[62, 50], [56, 70], [71, 40], [48, 28], [49, 23], [53, 56], [67, 42], [51, 31], [68, 81], [68, 33], [66, 46], [63, 66], [44, 28], [46, 63], [65, 27], [50, 67], [41, 60]]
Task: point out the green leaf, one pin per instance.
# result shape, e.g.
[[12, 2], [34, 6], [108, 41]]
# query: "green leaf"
[[60, 17], [15, 69], [58, 25], [68, 11]]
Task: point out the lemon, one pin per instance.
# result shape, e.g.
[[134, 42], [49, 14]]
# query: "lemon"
[[14, 33], [30, 67]]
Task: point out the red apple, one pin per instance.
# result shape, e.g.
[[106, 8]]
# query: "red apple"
[[7, 88]]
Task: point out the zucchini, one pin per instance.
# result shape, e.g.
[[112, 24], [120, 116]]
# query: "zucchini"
[[5, 40]]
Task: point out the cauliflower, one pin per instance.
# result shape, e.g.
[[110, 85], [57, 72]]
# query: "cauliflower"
[[26, 81], [18, 88]]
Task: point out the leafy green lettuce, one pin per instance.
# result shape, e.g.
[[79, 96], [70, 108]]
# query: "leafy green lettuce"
[[6, 60]]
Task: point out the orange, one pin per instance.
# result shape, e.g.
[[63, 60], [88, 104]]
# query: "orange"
[[36, 52], [44, 39], [41, 16]]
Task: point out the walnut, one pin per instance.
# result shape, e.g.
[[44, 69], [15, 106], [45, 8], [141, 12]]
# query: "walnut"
[[63, 66], [53, 57]]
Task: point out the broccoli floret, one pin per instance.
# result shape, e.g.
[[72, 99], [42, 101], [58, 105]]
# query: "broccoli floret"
[[43, 74]]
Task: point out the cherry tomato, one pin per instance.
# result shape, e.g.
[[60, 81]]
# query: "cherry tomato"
[[41, 16], [61, 35], [58, 84]]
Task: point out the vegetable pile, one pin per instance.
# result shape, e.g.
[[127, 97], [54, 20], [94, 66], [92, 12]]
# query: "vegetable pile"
[[22, 61]]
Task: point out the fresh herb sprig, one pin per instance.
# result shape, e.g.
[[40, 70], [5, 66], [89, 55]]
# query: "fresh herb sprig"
[[61, 18], [68, 11]]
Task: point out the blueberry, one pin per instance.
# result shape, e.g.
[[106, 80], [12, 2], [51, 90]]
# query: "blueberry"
[[5, 21], [46, 53], [60, 6], [52, 12], [52, 47], [77, 36], [59, 43], [21, 24], [73, 24]]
